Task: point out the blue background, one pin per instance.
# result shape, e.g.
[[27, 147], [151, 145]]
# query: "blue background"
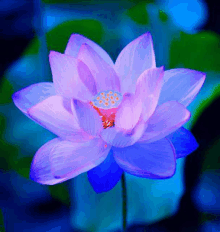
[[185, 34]]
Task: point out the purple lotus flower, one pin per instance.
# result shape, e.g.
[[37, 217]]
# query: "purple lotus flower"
[[131, 108]]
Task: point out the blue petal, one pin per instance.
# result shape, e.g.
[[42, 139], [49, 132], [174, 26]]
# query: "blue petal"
[[183, 141], [105, 176], [155, 160]]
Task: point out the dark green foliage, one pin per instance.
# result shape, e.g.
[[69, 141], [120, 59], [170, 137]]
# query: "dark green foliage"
[[58, 37], [163, 16], [199, 51], [2, 228], [6, 91], [212, 157], [138, 13], [60, 192]]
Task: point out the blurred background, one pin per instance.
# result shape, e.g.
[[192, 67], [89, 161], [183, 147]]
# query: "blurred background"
[[185, 34]]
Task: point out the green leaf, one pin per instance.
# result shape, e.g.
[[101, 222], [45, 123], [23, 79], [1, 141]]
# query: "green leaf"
[[33, 47], [57, 1], [6, 91], [2, 124], [58, 37], [22, 166], [8, 152], [64, 1], [204, 217], [2, 228], [144, 1], [60, 192], [211, 161], [163, 16], [138, 13], [196, 51]]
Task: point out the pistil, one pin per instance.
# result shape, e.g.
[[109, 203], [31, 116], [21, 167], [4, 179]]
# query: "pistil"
[[106, 104]]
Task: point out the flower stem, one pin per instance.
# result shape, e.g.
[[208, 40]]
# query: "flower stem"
[[124, 202]]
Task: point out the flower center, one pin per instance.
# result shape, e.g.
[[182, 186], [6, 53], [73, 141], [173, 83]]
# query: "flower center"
[[106, 104]]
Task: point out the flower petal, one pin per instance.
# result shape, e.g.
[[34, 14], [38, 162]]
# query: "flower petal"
[[86, 78], [41, 166], [71, 159], [89, 119], [181, 85], [128, 112], [77, 40], [148, 89], [120, 138], [52, 115], [104, 75], [136, 57], [105, 176], [154, 160], [66, 71], [183, 141], [33, 94], [166, 119]]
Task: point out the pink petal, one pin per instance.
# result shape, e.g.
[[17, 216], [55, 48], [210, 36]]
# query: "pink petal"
[[148, 89], [59, 157], [77, 40], [52, 114], [86, 78], [128, 112], [103, 73], [33, 94], [181, 85], [166, 119], [71, 159], [66, 73], [120, 138], [136, 57], [89, 119], [150, 160], [41, 166]]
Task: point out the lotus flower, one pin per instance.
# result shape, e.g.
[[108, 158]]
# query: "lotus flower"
[[108, 117]]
